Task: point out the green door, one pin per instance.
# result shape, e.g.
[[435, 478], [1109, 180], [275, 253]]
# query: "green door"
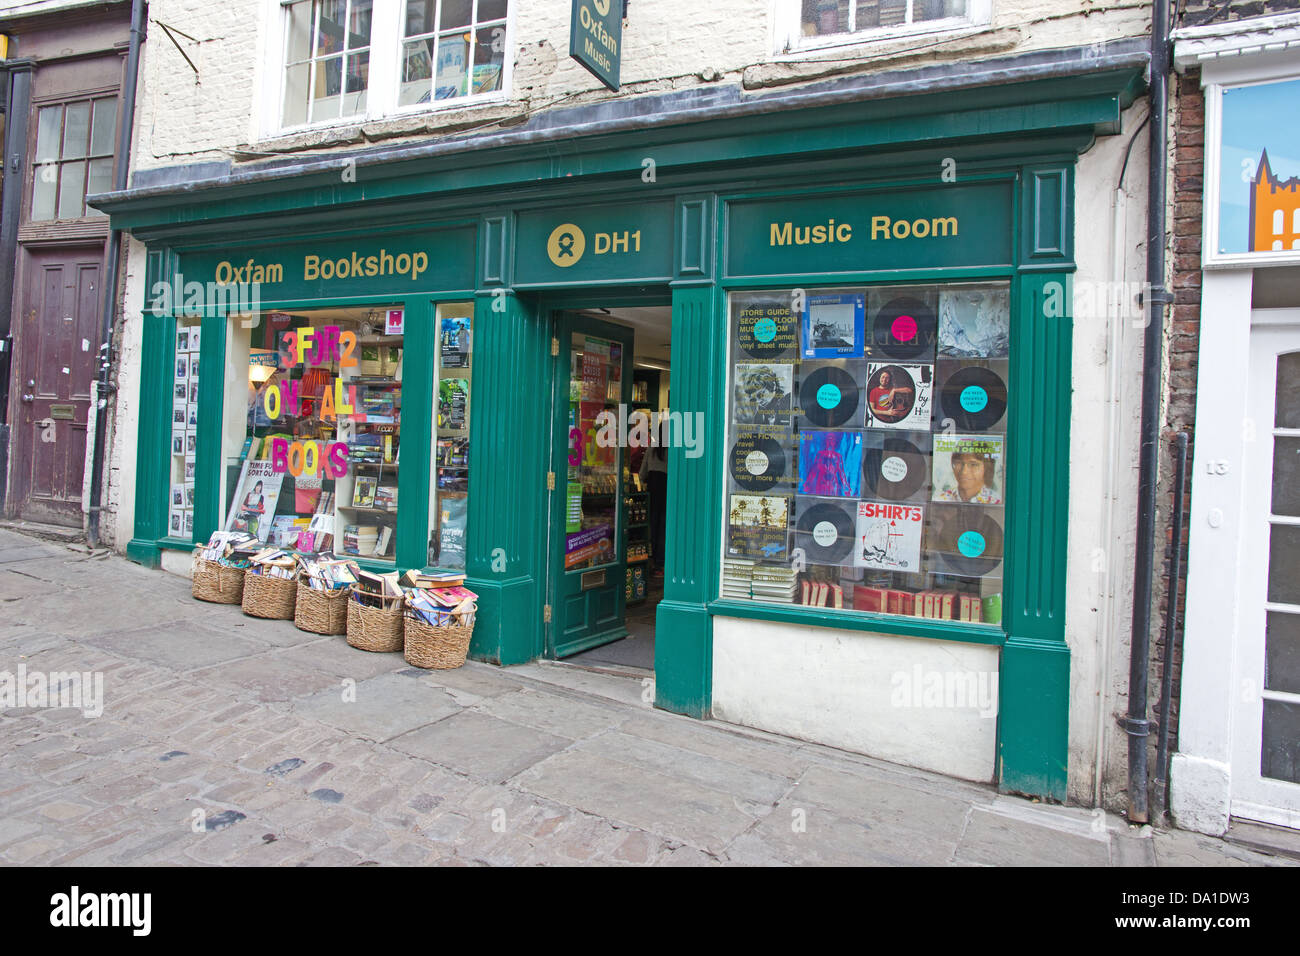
[[593, 375]]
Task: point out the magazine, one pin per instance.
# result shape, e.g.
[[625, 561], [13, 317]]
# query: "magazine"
[[255, 499]]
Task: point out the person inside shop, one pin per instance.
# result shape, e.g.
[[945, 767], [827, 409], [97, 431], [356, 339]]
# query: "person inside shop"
[[972, 480], [654, 474]]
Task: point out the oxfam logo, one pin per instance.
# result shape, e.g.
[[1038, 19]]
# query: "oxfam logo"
[[566, 245]]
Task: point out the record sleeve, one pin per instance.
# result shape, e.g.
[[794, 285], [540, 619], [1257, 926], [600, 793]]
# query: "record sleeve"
[[763, 393], [973, 397], [905, 328], [899, 396], [968, 540], [833, 326], [766, 328], [889, 536], [829, 396], [895, 465], [830, 464], [758, 525], [825, 530], [969, 469], [759, 462], [974, 322]]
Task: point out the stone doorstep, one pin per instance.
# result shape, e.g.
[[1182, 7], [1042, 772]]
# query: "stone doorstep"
[[1264, 837]]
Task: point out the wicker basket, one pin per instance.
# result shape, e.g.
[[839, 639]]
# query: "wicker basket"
[[216, 582], [269, 597], [321, 611], [439, 648], [374, 628]]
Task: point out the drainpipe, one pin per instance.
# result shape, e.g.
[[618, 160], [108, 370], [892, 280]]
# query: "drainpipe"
[[113, 261], [1136, 724], [18, 78], [1161, 787]]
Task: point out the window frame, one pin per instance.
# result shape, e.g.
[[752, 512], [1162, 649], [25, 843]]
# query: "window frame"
[[35, 165], [383, 91], [788, 38]]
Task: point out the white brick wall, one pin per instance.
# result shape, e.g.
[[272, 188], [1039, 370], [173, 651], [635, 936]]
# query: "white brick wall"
[[667, 44]]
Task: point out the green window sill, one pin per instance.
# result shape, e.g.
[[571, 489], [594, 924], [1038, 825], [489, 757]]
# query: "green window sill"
[[858, 621]]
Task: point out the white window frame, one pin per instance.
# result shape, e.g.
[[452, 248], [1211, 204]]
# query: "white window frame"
[[387, 17], [788, 38]]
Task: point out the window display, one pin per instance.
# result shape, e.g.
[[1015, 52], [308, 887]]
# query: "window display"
[[449, 496], [319, 464], [867, 449], [185, 424]]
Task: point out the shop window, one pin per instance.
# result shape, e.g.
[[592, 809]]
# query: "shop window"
[[322, 436], [449, 494], [867, 449], [185, 424], [74, 157], [810, 23], [424, 53]]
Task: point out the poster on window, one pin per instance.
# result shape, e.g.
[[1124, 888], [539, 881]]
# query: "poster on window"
[[1258, 202], [255, 499]]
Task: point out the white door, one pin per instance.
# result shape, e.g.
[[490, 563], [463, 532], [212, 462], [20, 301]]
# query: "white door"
[[1266, 744]]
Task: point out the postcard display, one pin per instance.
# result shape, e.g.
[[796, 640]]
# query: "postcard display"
[[318, 470], [450, 493], [185, 424], [867, 449]]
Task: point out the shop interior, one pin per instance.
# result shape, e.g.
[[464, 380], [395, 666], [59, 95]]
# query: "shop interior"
[[643, 514]]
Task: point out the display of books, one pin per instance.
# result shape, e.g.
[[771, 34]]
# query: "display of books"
[[363, 494]]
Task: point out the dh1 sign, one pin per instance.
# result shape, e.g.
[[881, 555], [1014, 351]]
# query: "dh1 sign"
[[596, 38]]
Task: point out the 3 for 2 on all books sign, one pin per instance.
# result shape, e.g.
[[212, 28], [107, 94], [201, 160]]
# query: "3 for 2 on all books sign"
[[596, 38]]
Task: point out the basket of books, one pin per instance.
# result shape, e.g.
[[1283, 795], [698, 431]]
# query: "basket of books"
[[270, 585], [439, 620], [217, 569], [375, 613], [323, 586]]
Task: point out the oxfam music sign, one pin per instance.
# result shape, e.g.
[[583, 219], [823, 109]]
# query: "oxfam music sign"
[[596, 38]]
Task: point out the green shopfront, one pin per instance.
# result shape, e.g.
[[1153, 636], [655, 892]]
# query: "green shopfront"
[[870, 325]]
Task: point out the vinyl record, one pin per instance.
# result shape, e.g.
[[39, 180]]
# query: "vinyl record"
[[828, 397], [904, 328], [758, 462], [969, 539], [975, 398], [767, 333], [825, 531], [895, 469]]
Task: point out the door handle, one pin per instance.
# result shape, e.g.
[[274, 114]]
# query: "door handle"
[[29, 399]]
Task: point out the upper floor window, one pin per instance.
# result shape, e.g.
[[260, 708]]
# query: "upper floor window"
[[74, 156], [840, 20], [358, 59]]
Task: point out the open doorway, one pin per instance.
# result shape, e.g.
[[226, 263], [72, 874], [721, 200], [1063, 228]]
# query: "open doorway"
[[613, 378]]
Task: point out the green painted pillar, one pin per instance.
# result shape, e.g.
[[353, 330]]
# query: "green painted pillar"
[[1034, 683], [683, 628], [506, 532], [153, 429]]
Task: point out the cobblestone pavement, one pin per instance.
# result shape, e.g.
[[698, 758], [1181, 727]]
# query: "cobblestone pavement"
[[229, 740]]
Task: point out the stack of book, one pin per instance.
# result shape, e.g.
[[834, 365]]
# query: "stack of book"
[[322, 572], [737, 576], [360, 539], [385, 497], [273, 563], [822, 594], [440, 598], [775, 584], [231, 547], [376, 590]]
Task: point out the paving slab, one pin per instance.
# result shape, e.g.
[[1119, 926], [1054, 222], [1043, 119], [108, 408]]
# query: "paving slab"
[[181, 647], [268, 677], [995, 839], [480, 745], [336, 656], [382, 708], [673, 808], [553, 714]]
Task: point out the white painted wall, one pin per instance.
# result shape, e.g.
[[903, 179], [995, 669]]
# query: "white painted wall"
[[219, 112], [859, 691]]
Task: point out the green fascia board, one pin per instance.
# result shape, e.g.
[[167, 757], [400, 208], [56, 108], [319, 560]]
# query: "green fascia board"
[[1086, 105]]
